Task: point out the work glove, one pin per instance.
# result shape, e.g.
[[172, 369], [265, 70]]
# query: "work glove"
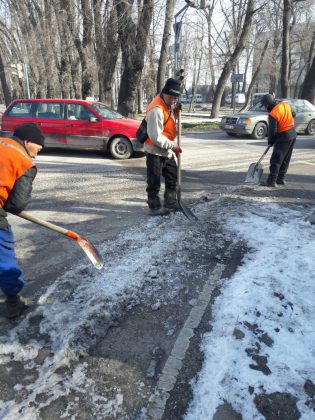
[[178, 106], [177, 150], [271, 143]]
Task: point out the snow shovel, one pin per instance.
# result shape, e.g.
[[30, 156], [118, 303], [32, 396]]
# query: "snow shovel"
[[255, 170], [187, 212], [84, 243]]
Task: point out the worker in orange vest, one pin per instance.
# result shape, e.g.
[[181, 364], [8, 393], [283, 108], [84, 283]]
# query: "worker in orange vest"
[[17, 172], [282, 136], [161, 147]]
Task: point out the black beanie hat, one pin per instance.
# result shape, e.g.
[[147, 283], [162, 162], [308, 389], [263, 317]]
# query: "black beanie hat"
[[172, 87], [30, 132], [268, 101]]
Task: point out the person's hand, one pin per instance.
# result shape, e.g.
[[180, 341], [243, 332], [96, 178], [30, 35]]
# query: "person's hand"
[[178, 106], [270, 143], [177, 150]]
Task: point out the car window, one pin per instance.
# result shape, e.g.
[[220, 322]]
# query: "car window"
[[79, 112], [50, 110], [106, 112], [258, 107], [21, 109], [298, 105]]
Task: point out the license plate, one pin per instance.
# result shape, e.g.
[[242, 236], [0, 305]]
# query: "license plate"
[[229, 127]]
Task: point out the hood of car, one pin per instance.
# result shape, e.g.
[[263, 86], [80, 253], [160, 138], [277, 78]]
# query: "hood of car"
[[127, 122], [247, 115]]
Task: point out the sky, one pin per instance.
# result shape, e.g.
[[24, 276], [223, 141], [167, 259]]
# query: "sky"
[[266, 308]]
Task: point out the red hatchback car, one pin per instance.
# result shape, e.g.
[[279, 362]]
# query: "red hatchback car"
[[75, 124]]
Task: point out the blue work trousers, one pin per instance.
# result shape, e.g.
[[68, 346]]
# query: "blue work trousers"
[[11, 279]]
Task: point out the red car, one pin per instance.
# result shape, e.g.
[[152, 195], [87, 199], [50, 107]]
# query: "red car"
[[75, 124]]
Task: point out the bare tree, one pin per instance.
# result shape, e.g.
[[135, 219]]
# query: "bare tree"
[[231, 62], [164, 54], [252, 83]]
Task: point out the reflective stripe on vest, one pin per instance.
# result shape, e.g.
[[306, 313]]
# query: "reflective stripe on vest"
[[169, 129], [282, 113], [14, 162]]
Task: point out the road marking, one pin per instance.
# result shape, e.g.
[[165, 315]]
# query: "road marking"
[[173, 365]]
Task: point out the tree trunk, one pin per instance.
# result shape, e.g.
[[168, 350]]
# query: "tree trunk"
[[285, 59], [230, 64], [164, 54], [308, 88], [133, 41], [4, 83]]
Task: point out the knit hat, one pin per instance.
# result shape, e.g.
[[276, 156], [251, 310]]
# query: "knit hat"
[[268, 101], [172, 87], [30, 132]]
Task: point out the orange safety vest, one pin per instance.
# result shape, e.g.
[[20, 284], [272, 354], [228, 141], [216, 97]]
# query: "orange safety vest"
[[169, 130], [282, 113], [14, 162]]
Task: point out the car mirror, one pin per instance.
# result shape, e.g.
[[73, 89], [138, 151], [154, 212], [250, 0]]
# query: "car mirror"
[[94, 119]]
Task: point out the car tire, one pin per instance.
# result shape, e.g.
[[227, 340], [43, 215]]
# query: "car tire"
[[260, 131], [310, 129], [120, 148], [231, 134]]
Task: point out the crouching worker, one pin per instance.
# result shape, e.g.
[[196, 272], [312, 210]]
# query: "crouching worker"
[[161, 147], [17, 172]]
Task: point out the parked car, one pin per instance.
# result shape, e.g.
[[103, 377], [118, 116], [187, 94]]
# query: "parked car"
[[75, 124], [255, 121], [240, 98]]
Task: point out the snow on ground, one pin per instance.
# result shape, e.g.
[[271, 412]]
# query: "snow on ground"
[[263, 336], [265, 310]]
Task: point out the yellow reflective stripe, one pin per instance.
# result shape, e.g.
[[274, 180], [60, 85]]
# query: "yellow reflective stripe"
[[3, 143]]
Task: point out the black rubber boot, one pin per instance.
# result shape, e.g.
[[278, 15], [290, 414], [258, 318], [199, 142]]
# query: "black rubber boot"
[[155, 207], [281, 181], [170, 200], [16, 306], [271, 182]]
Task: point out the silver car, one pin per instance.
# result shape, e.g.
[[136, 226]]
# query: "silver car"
[[254, 122]]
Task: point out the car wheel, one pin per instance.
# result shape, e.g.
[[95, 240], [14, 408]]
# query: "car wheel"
[[310, 129], [120, 148], [260, 131], [231, 134]]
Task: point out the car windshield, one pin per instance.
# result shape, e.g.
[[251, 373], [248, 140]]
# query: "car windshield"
[[258, 108], [105, 112]]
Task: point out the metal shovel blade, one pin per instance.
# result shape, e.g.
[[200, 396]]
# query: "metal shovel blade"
[[91, 252], [186, 211], [254, 173]]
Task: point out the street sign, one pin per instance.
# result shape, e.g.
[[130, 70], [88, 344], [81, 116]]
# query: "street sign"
[[236, 77]]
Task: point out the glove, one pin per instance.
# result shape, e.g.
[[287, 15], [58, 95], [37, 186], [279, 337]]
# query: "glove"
[[177, 150], [271, 143], [178, 106]]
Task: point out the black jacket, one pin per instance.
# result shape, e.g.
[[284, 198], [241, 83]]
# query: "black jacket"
[[21, 193]]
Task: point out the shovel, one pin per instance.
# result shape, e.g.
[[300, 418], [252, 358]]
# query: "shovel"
[[84, 243], [187, 212], [255, 170]]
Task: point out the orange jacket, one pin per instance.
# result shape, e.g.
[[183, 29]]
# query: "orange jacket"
[[282, 113], [169, 130], [14, 162]]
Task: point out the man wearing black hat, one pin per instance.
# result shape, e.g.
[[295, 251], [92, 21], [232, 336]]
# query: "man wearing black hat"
[[161, 147], [17, 172], [282, 136]]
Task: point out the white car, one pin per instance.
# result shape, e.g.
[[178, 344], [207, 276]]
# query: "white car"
[[254, 122]]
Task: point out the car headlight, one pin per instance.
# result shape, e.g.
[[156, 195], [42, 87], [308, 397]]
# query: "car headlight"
[[245, 121]]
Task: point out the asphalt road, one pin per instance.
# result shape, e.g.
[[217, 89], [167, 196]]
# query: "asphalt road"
[[99, 197]]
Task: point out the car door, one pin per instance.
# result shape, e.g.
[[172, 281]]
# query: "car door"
[[303, 114], [84, 128], [50, 118]]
